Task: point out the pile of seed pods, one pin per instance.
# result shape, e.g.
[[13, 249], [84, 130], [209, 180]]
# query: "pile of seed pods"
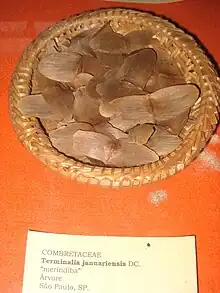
[[109, 99]]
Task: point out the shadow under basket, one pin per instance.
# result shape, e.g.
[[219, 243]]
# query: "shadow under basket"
[[184, 50]]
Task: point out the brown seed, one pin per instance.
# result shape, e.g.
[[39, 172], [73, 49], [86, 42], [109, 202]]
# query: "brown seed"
[[123, 124], [165, 64], [140, 134], [138, 67], [135, 107], [93, 66], [62, 138], [60, 100], [105, 28], [138, 39], [80, 43], [49, 125], [162, 142], [63, 123], [167, 103], [153, 84], [110, 74], [108, 129], [91, 161], [91, 87], [160, 80], [86, 109], [81, 79], [131, 154], [94, 145], [111, 60], [36, 106], [63, 44], [108, 41], [107, 110], [113, 88], [61, 67], [39, 82], [176, 125]]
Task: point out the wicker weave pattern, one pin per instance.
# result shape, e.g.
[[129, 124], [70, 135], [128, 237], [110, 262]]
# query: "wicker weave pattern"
[[184, 50]]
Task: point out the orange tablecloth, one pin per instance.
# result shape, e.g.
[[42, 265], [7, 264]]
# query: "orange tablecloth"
[[34, 197]]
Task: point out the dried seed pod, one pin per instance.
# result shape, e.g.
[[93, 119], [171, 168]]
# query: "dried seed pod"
[[138, 39], [138, 67], [80, 43], [63, 66], [86, 109], [77, 45], [36, 106], [176, 125], [159, 80], [91, 87], [140, 134], [81, 79], [111, 98], [63, 123], [165, 64], [105, 28], [63, 45], [91, 161], [108, 129], [134, 108], [162, 142], [167, 103], [153, 84], [131, 154], [94, 145], [60, 100], [110, 74], [113, 88], [62, 138], [107, 110], [93, 66], [49, 125], [108, 41], [39, 82], [111, 60], [123, 124]]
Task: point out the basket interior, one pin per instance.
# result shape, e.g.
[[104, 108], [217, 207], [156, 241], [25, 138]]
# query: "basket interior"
[[183, 50]]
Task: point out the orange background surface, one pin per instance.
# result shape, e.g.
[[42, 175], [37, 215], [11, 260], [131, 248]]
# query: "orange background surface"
[[34, 197]]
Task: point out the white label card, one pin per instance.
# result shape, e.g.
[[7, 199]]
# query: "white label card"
[[58, 263]]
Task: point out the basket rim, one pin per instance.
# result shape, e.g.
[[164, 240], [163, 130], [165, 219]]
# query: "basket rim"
[[26, 128]]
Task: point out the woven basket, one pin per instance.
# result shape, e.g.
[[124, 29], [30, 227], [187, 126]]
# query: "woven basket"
[[185, 52]]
